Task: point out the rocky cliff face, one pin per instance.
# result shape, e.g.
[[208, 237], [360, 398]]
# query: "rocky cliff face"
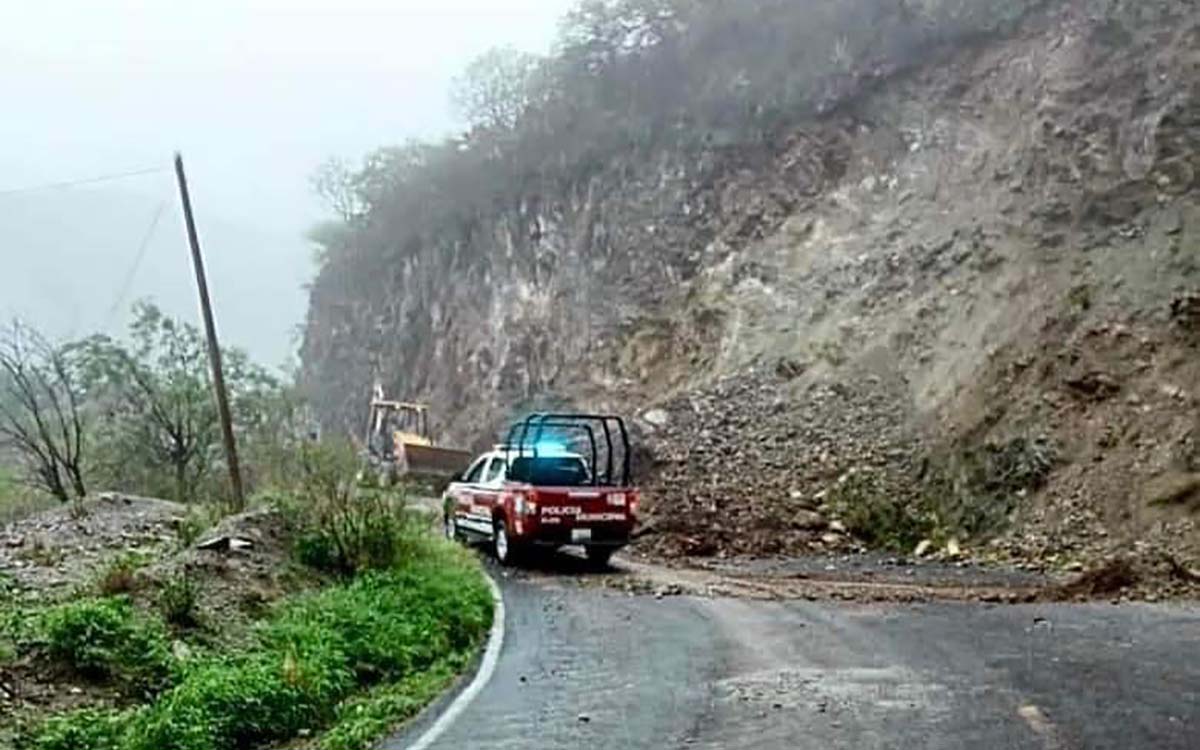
[[997, 248]]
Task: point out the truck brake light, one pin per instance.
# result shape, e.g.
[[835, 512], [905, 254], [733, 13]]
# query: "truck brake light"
[[634, 501]]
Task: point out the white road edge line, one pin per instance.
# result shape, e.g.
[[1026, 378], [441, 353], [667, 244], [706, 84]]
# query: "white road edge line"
[[491, 656]]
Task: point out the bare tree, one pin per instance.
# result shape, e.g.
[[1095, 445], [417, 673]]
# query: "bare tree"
[[495, 89], [334, 183], [40, 415]]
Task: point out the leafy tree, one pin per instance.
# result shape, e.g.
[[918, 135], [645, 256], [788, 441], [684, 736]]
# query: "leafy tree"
[[155, 399], [41, 419], [154, 393]]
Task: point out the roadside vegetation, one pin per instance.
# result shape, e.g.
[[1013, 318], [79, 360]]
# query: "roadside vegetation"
[[383, 617], [352, 659], [321, 615], [963, 495], [16, 500]]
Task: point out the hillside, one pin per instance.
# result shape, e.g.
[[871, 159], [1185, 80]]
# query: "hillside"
[[930, 269]]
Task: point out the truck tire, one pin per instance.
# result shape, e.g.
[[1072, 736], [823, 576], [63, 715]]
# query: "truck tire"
[[599, 556], [507, 553]]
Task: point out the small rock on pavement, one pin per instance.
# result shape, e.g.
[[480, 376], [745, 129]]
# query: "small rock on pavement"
[[657, 417], [584, 718]]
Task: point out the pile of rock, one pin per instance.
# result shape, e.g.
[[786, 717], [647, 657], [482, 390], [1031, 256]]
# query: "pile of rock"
[[747, 466], [68, 545]]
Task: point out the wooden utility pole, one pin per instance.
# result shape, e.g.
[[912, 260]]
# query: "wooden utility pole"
[[214, 349]]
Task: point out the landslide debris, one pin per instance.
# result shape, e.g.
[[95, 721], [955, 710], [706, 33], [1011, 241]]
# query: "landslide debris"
[[51, 551], [751, 465], [953, 307]]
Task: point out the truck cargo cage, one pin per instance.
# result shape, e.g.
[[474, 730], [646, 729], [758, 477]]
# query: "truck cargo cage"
[[527, 437]]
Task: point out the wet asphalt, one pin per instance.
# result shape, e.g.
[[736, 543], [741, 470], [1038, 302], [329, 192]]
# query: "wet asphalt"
[[592, 668]]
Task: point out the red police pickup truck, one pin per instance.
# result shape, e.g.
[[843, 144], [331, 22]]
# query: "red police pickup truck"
[[539, 489]]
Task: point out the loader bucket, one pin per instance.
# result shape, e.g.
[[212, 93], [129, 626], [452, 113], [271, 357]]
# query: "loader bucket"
[[428, 461]]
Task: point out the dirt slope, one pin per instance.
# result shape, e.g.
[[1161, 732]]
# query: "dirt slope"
[[1011, 255], [976, 280]]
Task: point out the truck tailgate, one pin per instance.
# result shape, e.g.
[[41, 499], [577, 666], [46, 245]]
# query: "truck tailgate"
[[580, 506]]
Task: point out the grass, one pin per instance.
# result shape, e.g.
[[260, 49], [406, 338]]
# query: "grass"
[[177, 600], [355, 658], [363, 720], [13, 622], [18, 501], [120, 575], [200, 518]]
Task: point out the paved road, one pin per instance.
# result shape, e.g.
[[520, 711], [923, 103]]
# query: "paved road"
[[589, 668]]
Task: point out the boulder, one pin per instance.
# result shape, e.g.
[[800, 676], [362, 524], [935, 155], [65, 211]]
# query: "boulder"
[[809, 520]]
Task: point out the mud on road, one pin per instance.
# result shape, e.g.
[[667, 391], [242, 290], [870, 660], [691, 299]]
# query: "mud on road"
[[608, 660], [834, 577]]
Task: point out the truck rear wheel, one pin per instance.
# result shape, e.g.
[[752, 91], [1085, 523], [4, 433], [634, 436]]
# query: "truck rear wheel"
[[507, 553], [599, 556]]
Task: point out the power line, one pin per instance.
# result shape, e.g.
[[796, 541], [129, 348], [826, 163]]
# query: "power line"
[[83, 181], [137, 263]]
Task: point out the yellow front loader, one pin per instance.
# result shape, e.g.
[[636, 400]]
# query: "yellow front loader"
[[400, 443]]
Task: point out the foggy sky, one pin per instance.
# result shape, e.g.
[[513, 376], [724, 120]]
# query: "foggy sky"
[[255, 94]]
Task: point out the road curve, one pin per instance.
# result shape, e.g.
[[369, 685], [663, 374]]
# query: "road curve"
[[591, 668]]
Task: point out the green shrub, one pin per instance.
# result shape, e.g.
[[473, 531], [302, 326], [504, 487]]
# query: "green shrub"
[[86, 729], [14, 622], [197, 521], [389, 623], [403, 633], [966, 494], [120, 575], [346, 527], [972, 492], [177, 598], [317, 550], [104, 639], [878, 514], [363, 720], [245, 702], [318, 650]]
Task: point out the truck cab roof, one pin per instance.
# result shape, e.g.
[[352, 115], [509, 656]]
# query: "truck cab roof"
[[553, 468], [545, 450]]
